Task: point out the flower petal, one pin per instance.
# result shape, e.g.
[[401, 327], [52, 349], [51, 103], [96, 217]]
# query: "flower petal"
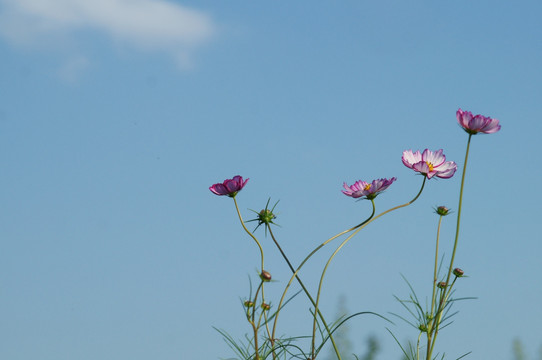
[[434, 158], [363, 189], [447, 170], [409, 158], [477, 123], [229, 187]]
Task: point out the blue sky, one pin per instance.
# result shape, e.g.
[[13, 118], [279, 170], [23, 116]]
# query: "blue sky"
[[116, 116]]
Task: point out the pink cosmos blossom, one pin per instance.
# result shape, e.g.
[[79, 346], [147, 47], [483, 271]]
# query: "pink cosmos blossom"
[[474, 124], [367, 190], [429, 163], [229, 187]]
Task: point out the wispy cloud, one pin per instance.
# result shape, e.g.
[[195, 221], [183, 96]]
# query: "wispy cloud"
[[149, 25]]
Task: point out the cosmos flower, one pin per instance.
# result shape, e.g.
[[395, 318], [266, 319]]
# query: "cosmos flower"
[[474, 124], [229, 187], [368, 190], [429, 163]]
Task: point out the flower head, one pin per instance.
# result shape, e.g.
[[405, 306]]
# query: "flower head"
[[474, 124], [367, 190], [265, 216], [458, 272], [442, 211], [229, 187], [429, 163], [265, 276]]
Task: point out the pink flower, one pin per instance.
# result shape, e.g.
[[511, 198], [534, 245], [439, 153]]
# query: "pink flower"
[[229, 187], [370, 191], [429, 163], [474, 124]]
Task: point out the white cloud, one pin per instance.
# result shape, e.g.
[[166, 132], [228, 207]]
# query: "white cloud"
[[151, 25]]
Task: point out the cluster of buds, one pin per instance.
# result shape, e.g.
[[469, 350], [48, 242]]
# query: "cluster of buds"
[[250, 304]]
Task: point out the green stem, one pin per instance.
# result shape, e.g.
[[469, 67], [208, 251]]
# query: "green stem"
[[444, 295], [256, 350], [264, 313], [303, 263], [285, 257], [438, 317], [248, 231], [274, 355], [304, 289], [344, 243], [316, 308], [253, 324], [418, 347], [436, 266], [433, 298], [255, 300], [459, 210], [447, 291]]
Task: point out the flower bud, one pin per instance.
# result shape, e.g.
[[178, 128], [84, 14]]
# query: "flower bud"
[[265, 276], [266, 216], [422, 328], [249, 304], [442, 285], [458, 272], [442, 210], [266, 306]]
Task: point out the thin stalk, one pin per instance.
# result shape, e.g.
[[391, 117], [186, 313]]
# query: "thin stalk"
[[252, 320], [448, 289], [306, 292], [459, 210], [255, 301], [438, 316], [256, 350], [261, 284], [433, 299], [254, 327], [303, 263], [286, 259], [418, 347], [445, 294], [264, 313], [248, 231], [316, 308], [344, 243], [269, 335]]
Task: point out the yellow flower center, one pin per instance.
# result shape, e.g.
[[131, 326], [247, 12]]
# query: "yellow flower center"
[[430, 165], [367, 187]]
